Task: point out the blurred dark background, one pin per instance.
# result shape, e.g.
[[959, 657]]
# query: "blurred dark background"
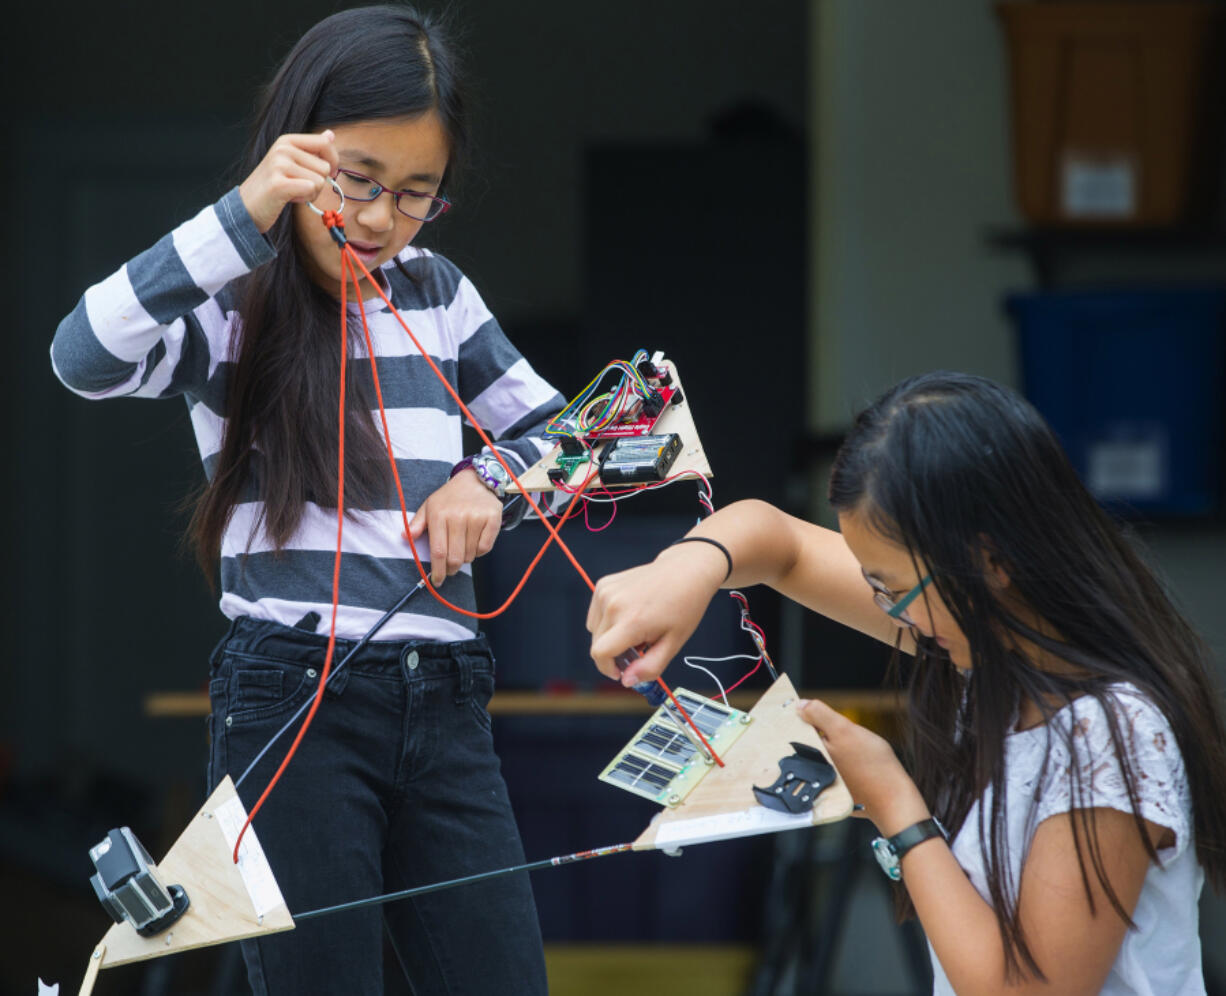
[[799, 202]]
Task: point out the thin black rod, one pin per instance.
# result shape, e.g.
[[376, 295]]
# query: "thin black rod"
[[370, 633], [565, 859]]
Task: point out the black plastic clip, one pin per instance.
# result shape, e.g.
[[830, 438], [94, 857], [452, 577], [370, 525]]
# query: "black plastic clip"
[[802, 778]]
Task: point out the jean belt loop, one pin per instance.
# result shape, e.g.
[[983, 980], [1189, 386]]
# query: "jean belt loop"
[[219, 650], [464, 690], [337, 680]]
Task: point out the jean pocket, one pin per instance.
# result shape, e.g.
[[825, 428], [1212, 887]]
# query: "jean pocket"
[[266, 689]]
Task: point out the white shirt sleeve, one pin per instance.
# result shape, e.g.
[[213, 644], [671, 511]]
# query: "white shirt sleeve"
[[1154, 759]]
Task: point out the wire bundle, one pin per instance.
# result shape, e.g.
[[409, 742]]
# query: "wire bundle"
[[759, 640], [594, 409]]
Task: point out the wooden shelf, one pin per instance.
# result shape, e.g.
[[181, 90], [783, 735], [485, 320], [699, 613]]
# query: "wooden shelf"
[[850, 701], [1043, 245], [614, 969]]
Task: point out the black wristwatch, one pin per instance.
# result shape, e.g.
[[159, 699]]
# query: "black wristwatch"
[[889, 850]]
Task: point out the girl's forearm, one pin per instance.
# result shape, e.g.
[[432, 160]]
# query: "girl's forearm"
[[757, 537], [808, 563], [957, 921]]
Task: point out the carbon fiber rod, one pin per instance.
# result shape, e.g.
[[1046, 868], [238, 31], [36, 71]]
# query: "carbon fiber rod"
[[564, 859]]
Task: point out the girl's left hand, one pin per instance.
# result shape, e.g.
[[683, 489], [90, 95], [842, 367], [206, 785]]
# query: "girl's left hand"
[[870, 768], [462, 518]]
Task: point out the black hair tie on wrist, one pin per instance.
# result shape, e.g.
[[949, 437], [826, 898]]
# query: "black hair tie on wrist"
[[715, 543]]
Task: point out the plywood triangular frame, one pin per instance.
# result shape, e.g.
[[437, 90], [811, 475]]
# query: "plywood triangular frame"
[[222, 908], [723, 804], [674, 418]]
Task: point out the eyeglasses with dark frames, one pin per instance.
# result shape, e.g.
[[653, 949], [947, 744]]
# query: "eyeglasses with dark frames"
[[896, 609], [410, 203]]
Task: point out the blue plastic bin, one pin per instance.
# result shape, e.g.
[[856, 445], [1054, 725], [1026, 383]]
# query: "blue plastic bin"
[[1132, 382]]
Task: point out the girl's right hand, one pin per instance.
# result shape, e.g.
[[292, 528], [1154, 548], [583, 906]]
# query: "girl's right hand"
[[295, 170], [874, 776], [660, 604]]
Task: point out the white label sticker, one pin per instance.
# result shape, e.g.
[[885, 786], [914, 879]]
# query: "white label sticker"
[[252, 865], [1127, 469], [1099, 188], [747, 823]]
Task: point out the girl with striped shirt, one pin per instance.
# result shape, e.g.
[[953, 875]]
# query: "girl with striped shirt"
[[236, 311]]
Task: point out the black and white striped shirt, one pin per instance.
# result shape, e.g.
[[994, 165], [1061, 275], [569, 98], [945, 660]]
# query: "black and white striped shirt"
[[164, 325]]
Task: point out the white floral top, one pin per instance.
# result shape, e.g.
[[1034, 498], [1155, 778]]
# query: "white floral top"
[[1162, 956]]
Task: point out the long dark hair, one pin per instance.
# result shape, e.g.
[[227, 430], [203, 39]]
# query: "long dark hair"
[[280, 438], [951, 466]]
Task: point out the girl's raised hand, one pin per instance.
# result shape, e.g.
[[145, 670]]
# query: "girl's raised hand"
[[870, 768], [660, 604], [295, 170]]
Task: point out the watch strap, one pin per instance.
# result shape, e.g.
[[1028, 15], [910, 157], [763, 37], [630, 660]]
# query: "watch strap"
[[917, 833], [494, 477], [488, 469]]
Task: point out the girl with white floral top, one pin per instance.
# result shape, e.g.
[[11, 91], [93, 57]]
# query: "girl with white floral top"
[[1064, 792]]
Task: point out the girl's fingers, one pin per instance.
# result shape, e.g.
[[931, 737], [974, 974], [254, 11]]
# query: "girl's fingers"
[[298, 183], [470, 536], [320, 145], [595, 609], [821, 717], [324, 148], [314, 165], [649, 665], [642, 606], [294, 170], [488, 535], [651, 661], [328, 152], [438, 551], [295, 190], [611, 643]]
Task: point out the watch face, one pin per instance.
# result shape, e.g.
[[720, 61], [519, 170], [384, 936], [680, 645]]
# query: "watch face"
[[884, 853], [492, 473]]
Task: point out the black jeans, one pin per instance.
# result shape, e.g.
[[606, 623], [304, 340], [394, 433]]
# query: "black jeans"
[[395, 784]]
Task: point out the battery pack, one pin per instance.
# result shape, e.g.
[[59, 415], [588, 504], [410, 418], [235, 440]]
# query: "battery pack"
[[638, 459]]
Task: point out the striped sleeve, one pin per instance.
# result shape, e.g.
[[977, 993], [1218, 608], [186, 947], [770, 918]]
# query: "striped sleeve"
[[507, 396], [155, 327], [504, 392]]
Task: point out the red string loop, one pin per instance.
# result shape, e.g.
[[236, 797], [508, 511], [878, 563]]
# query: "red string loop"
[[333, 219]]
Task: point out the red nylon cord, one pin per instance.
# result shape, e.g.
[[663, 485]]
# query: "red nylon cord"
[[336, 577], [333, 219], [404, 513], [553, 533]]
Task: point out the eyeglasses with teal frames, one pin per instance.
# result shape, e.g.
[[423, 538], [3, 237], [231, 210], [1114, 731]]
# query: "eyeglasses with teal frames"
[[895, 609]]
